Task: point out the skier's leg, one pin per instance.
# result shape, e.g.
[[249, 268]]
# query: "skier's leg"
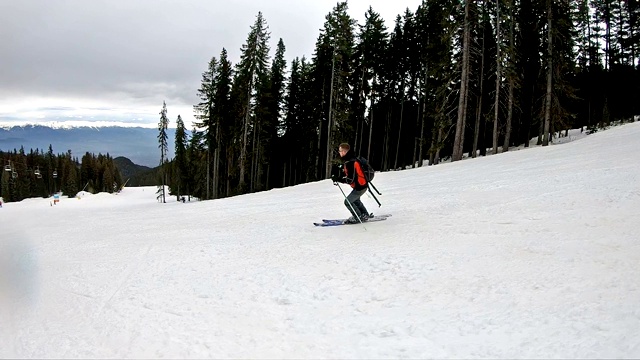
[[361, 208], [348, 202], [353, 201]]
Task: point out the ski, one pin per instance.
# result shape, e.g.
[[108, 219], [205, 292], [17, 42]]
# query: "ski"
[[338, 222], [343, 220]]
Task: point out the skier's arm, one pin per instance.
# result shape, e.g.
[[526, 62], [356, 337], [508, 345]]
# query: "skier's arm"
[[337, 173], [348, 173]]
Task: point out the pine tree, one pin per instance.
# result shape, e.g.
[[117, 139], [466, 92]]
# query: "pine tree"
[[529, 20], [197, 154], [583, 40], [369, 57], [291, 126], [392, 91], [163, 125], [223, 156], [437, 31], [480, 61], [272, 116], [251, 69], [406, 93], [332, 74], [559, 65], [547, 107], [633, 7], [511, 75], [464, 83], [181, 180], [499, 59], [204, 113]]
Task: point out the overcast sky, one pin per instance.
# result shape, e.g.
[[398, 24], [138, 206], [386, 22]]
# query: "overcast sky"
[[117, 60]]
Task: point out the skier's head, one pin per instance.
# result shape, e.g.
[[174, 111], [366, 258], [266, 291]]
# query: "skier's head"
[[343, 149]]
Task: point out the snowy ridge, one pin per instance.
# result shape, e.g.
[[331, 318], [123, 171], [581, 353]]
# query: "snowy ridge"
[[526, 254], [72, 124]]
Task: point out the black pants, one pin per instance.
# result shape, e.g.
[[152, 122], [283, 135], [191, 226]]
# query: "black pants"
[[353, 203]]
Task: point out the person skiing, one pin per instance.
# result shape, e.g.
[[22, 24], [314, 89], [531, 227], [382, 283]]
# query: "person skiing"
[[353, 175]]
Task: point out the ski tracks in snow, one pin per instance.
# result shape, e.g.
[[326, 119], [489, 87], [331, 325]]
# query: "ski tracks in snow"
[[125, 276]]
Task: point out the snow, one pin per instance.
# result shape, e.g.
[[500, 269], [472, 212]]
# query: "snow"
[[527, 254]]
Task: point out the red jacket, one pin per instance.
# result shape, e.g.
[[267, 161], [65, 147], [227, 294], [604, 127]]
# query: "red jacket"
[[353, 174]]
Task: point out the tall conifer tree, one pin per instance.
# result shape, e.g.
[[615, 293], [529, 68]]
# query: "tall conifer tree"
[[204, 113], [223, 156], [332, 73], [181, 180], [250, 71], [163, 125]]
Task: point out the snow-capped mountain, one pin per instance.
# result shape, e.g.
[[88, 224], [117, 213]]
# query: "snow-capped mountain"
[[140, 144]]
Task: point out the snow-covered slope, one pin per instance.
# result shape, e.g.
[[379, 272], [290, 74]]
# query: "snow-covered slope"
[[526, 254]]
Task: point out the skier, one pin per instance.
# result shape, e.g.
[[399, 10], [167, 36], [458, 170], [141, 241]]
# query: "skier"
[[354, 176]]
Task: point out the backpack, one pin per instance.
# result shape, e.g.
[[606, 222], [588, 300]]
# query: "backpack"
[[368, 171]]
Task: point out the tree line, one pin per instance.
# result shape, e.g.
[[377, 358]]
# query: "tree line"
[[451, 79], [41, 174]]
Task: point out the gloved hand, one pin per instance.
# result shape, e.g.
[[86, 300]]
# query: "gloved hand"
[[335, 178]]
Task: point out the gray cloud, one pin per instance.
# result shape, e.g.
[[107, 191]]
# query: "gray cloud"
[[133, 54]]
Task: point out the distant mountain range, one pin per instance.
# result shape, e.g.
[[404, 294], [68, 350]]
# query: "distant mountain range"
[[138, 144]]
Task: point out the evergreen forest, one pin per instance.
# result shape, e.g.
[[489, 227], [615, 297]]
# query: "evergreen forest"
[[42, 174], [451, 79]]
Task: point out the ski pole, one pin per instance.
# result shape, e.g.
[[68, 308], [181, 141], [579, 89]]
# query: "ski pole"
[[348, 202], [374, 188], [374, 197]]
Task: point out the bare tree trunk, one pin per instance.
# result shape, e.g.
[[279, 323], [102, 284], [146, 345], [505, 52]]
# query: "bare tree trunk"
[[255, 152], [357, 143], [436, 160], [476, 131], [318, 148], [285, 177], [208, 172], [547, 105], [243, 152], [507, 134], [216, 161], [458, 143], [431, 149], [229, 169], [361, 122], [330, 122], [267, 175], [370, 127], [512, 85], [498, 79], [632, 32], [395, 163], [256, 157], [417, 138], [607, 36], [318, 165], [216, 174], [385, 161], [373, 97], [422, 120]]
